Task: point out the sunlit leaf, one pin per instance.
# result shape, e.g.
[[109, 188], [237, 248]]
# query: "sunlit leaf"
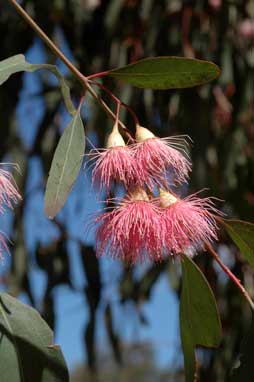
[[65, 166], [199, 319], [27, 352], [242, 233], [18, 63], [167, 73]]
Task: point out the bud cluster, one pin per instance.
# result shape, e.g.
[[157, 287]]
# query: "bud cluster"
[[144, 225]]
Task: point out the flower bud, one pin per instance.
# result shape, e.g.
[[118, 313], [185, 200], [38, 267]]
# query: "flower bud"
[[166, 198], [143, 133], [115, 138], [139, 194]]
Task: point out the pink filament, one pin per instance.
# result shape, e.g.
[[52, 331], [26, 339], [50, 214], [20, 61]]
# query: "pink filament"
[[189, 223], [131, 232], [156, 156], [115, 164], [8, 190]]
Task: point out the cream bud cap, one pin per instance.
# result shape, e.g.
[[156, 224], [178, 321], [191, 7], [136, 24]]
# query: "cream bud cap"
[[166, 198], [115, 138], [142, 133], [139, 194]]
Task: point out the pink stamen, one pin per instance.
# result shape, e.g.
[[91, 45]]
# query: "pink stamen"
[[131, 232], [157, 156], [190, 223], [9, 194], [115, 164]]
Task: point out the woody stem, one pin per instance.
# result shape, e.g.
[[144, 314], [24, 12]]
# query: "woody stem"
[[82, 79], [235, 280], [48, 41]]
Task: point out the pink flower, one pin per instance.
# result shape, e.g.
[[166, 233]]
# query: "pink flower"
[[189, 222], [115, 163], [156, 156], [8, 190], [132, 231]]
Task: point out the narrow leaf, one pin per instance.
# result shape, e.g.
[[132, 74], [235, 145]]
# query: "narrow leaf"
[[18, 63], [242, 233], [167, 73], [65, 166], [199, 319], [27, 352]]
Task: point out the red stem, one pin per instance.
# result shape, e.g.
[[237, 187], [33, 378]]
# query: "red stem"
[[118, 105], [117, 100], [134, 116], [235, 280], [96, 75], [82, 100]]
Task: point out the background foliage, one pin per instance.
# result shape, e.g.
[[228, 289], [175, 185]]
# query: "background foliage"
[[218, 117]]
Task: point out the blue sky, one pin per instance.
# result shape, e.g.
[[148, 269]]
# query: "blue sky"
[[72, 314]]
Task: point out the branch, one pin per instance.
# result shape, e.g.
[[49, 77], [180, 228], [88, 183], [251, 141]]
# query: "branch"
[[52, 46], [235, 280]]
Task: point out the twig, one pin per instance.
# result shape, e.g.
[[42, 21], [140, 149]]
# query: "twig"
[[82, 79], [235, 280], [127, 107]]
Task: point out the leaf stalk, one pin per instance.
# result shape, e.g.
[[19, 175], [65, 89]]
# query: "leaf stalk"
[[235, 280]]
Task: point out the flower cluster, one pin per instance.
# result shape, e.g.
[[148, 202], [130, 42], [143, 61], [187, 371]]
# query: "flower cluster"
[[143, 225], [9, 195]]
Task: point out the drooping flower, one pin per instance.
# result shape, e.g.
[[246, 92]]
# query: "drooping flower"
[[132, 231], [189, 222], [9, 194], [115, 163], [156, 156]]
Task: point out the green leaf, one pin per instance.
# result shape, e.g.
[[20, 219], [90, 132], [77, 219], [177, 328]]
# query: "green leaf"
[[27, 352], [65, 166], [166, 73], [244, 370], [18, 63], [70, 150], [11, 65], [242, 233], [199, 319]]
